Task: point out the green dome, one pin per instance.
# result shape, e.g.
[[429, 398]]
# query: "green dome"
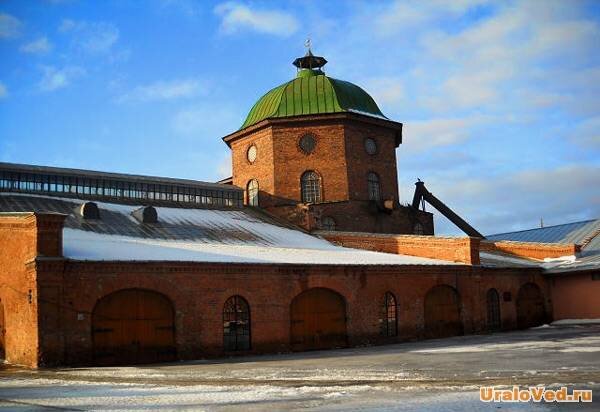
[[311, 92]]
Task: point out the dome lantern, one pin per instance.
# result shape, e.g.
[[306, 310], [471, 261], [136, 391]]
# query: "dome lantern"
[[310, 61]]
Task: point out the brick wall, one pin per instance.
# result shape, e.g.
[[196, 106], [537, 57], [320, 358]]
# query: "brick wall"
[[576, 295], [24, 237], [465, 250], [328, 160], [531, 250], [198, 292], [365, 216], [342, 162], [360, 163], [262, 168]]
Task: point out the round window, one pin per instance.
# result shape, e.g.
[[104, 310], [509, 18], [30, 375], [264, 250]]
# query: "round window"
[[307, 143], [252, 151], [370, 146]]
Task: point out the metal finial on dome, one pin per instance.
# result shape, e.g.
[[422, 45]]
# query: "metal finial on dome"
[[307, 44], [309, 61]]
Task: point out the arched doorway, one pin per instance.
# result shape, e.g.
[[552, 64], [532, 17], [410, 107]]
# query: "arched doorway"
[[133, 326], [442, 312], [318, 320], [530, 306], [493, 310]]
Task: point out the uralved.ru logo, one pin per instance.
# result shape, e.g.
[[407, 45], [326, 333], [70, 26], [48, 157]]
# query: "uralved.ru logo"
[[535, 394]]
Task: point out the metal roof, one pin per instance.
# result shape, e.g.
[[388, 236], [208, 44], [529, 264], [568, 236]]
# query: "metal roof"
[[311, 92], [585, 233], [576, 232], [218, 225], [193, 235]]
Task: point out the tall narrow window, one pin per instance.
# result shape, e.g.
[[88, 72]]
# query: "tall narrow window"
[[373, 183], [390, 320], [236, 324], [418, 229], [310, 184], [493, 310], [252, 191]]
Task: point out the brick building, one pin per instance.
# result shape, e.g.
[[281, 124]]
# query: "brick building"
[[306, 248], [317, 151]]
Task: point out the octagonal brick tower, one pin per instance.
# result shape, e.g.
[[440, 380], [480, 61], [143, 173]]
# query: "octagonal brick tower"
[[317, 151]]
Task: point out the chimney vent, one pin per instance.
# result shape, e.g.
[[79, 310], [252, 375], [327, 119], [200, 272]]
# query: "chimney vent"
[[146, 214], [88, 210]]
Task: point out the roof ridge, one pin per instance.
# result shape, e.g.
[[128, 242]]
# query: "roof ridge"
[[586, 240]]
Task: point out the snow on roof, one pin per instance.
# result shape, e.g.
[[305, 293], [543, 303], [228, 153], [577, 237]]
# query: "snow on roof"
[[85, 245], [505, 260], [196, 235], [382, 117]]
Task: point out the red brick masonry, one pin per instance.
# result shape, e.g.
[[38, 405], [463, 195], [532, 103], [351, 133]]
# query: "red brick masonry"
[[48, 300], [464, 250], [531, 250]]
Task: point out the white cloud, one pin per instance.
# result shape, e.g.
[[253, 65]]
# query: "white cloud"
[[211, 121], [517, 201], [57, 78], [92, 37], [421, 135], [403, 15], [236, 17], [482, 64], [39, 46], [3, 91], [10, 26], [224, 168], [474, 89], [386, 90], [164, 90]]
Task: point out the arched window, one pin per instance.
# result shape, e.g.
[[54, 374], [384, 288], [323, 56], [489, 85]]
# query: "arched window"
[[236, 324], [252, 191], [374, 190], [390, 320], [493, 310], [418, 229], [328, 223], [310, 184]]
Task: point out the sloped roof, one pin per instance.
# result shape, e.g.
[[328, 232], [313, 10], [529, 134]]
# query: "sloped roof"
[[585, 233], [504, 260], [576, 232], [195, 235]]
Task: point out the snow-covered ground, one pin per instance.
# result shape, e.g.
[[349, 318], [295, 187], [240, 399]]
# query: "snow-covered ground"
[[435, 375]]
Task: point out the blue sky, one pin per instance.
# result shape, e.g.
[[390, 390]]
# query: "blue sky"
[[500, 100]]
